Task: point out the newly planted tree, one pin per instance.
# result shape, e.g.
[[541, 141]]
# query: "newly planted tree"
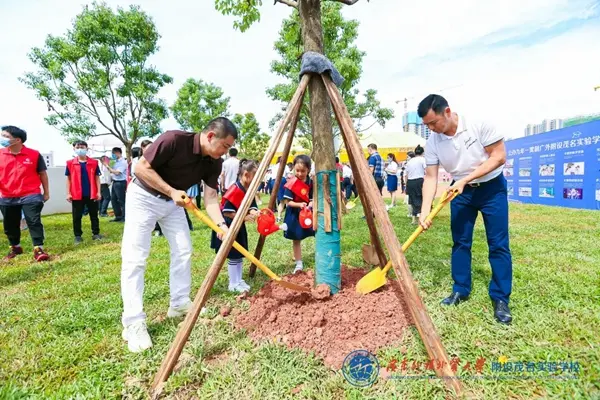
[[328, 251], [339, 36]]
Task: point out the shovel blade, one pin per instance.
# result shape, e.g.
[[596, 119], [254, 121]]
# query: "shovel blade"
[[370, 254], [371, 281]]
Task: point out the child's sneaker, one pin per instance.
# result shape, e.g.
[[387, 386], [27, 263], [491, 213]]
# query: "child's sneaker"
[[238, 288], [299, 268], [39, 254], [244, 285], [13, 252]]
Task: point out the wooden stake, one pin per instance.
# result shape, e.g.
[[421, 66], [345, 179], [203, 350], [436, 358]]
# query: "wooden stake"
[[339, 201], [425, 326], [188, 323], [367, 209], [315, 205], [326, 203], [273, 199]]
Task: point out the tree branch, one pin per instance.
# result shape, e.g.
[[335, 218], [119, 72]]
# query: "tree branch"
[[92, 111], [347, 2], [368, 127], [60, 115], [291, 3], [114, 103]]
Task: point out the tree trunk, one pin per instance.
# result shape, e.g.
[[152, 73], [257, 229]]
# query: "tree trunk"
[[327, 249], [128, 147]]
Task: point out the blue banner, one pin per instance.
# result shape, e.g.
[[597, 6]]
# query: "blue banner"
[[556, 168]]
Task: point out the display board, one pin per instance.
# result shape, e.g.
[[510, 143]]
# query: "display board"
[[557, 168]]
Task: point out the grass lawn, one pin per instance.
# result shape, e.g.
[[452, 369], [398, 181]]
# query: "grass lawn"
[[60, 331]]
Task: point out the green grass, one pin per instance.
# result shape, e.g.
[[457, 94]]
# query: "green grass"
[[60, 321]]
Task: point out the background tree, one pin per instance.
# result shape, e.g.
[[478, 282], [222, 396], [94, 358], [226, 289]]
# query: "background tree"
[[197, 103], [251, 143], [339, 37], [96, 79]]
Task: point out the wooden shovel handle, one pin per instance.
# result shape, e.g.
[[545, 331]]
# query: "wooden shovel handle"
[[445, 199], [204, 218]]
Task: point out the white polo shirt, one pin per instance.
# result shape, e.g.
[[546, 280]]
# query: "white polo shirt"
[[230, 168], [462, 153]]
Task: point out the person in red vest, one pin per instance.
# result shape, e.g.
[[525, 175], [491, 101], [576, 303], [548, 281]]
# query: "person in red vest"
[[83, 189], [22, 174], [230, 203]]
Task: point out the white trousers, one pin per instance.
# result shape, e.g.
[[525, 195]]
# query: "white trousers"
[[143, 210]]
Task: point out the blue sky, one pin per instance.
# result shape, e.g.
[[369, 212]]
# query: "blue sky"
[[513, 62], [582, 14]]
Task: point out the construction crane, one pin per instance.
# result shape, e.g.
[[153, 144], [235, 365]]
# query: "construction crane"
[[405, 100]]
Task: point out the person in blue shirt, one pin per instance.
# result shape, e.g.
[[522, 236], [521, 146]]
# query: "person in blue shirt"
[[376, 166], [118, 173]]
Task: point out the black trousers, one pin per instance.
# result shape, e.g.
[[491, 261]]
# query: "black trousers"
[[349, 188], [12, 222], [77, 207], [105, 191], [380, 183], [118, 199], [414, 191]]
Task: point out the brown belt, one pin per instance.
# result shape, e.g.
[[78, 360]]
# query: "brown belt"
[[148, 189]]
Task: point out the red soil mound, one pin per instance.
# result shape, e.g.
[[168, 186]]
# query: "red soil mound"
[[331, 326]]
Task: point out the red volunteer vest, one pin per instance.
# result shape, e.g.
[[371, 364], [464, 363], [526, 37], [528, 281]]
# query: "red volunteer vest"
[[300, 189], [234, 195], [18, 173], [74, 168]]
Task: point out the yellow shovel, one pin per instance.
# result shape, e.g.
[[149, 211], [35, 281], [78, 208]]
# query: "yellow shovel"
[[192, 207], [376, 278]]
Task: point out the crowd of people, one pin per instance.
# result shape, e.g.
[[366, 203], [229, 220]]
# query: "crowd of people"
[[148, 194]]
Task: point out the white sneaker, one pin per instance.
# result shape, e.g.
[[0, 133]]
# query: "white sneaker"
[[179, 311], [137, 338], [238, 288], [299, 267], [244, 285]]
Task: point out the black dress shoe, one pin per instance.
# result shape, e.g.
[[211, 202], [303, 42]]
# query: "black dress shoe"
[[454, 299], [502, 312]]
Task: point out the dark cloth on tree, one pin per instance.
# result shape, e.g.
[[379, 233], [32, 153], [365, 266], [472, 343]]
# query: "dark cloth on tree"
[[316, 63]]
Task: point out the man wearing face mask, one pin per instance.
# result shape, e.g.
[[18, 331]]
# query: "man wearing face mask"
[[118, 174], [22, 173], [83, 189], [171, 165], [474, 154]]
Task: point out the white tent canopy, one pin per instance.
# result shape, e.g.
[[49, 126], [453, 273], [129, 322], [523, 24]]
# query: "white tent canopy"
[[388, 140]]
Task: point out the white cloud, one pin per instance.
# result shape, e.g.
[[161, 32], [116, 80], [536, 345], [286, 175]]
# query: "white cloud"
[[514, 85]]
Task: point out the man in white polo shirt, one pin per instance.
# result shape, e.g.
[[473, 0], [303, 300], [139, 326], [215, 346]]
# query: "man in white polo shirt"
[[231, 167], [474, 154]]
